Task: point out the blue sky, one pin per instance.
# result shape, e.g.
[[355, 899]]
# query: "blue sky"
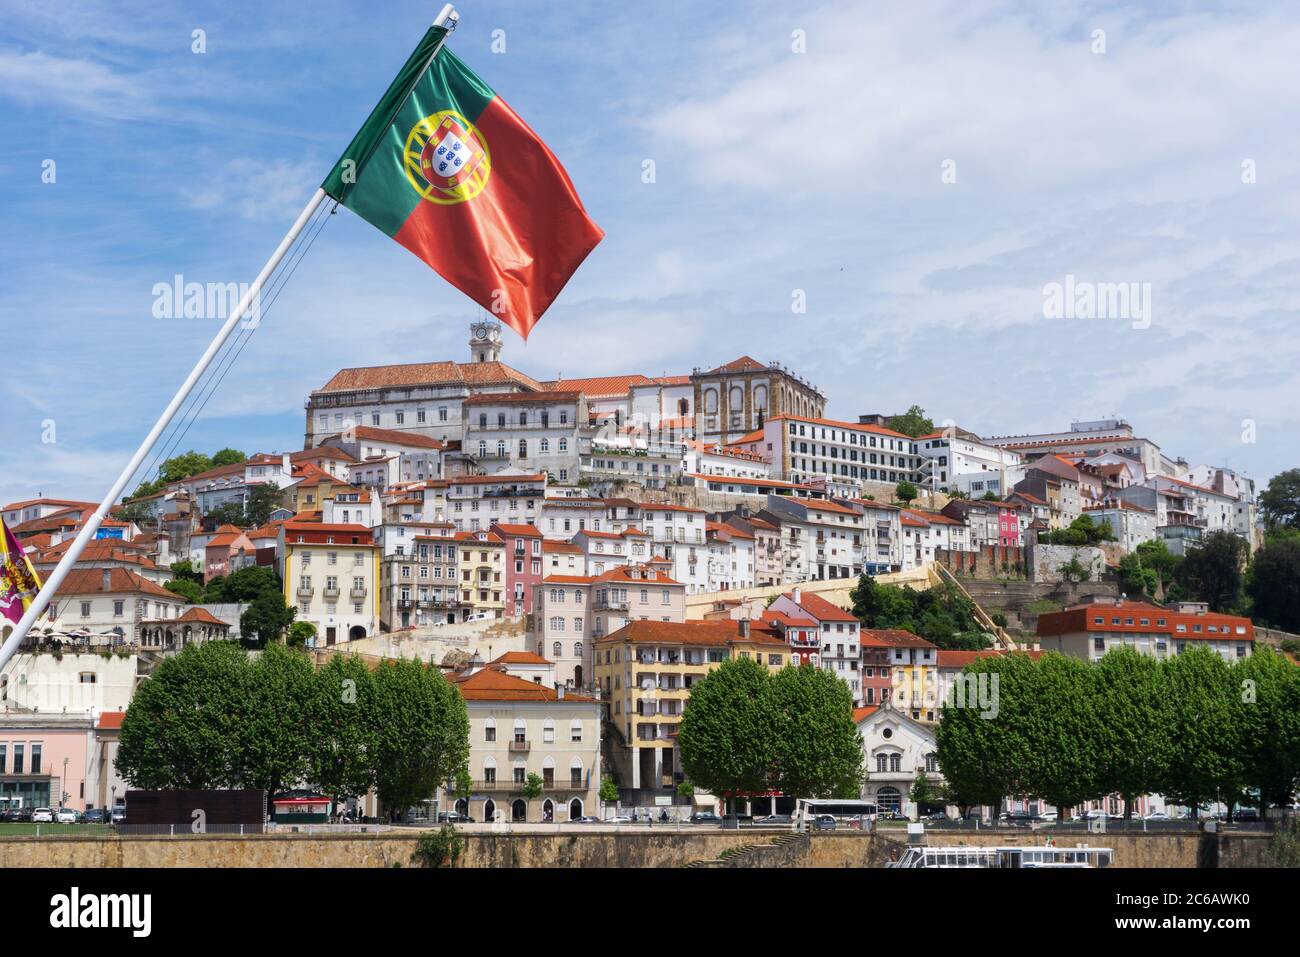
[[776, 171]]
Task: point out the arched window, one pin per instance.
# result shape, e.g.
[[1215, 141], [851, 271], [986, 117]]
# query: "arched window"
[[523, 417], [736, 399], [577, 649], [882, 763], [564, 445], [575, 729], [889, 799], [501, 448], [482, 448], [545, 446], [548, 732], [490, 730], [557, 649], [895, 762], [710, 401], [521, 733], [575, 773], [523, 448], [557, 624]]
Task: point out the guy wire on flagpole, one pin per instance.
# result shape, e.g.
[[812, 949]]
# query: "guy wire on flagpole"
[[447, 18], [235, 347]]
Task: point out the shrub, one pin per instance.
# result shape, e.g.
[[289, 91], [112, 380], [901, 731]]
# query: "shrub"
[[440, 848]]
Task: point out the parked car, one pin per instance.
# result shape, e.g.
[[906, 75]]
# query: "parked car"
[[42, 815], [618, 819], [119, 815], [586, 819], [1021, 820], [1246, 814], [24, 814], [454, 817], [95, 815], [1157, 816], [824, 822], [774, 819], [935, 816], [65, 815], [705, 817]]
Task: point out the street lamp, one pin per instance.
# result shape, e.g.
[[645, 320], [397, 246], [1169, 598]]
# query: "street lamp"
[[64, 801]]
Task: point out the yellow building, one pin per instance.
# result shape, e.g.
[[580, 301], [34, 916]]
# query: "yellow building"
[[482, 573], [331, 575], [903, 669], [645, 671]]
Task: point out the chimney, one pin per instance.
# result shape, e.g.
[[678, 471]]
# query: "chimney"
[[744, 627], [107, 579], [797, 594]]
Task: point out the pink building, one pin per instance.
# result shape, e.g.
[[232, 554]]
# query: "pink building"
[[47, 761], [1008, 524], [523, 566]]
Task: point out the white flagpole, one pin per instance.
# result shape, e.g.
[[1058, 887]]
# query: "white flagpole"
[[448, 18]]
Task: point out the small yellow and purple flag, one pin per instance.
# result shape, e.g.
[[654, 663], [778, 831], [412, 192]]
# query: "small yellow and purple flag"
[[18, 580]]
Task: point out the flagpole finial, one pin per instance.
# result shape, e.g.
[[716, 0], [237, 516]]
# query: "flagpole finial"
[[447, 17]]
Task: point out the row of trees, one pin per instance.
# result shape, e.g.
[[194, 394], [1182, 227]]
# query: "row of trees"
[[749, 731], [182, 466], [1193, 728], [941, 613], [212, 717], [1082, 531]]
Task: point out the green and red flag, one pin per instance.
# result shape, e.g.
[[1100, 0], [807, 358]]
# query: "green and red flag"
[[446, 168]]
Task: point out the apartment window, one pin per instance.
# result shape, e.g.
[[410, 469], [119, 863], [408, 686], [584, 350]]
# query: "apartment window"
[[85, 609], [575, 732], [490, 731], [119, 608], [36, 759], [18, 758]]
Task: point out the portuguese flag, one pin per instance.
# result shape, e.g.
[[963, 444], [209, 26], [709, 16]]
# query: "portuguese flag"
[[448, 170]]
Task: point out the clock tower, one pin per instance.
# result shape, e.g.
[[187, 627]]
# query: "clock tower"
[[485, 342]]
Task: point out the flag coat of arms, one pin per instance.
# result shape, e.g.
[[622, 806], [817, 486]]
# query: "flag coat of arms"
[[18, 580], [446, 168]]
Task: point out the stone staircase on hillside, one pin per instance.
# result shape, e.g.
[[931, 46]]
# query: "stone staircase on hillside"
[[783, 850]]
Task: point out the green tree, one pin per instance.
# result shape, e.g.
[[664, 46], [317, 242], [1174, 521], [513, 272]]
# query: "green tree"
[[1213, 570], [182, 466], [1062, 728], [183, 728], [728, 736], [913, 422], [265, 620], [341, 754], [1280, 502], [1130, 747], [924, 793], [421, 732], [1199, 718], [818, 746], [187, 589], [1273, 582], [906, 492], [243, 586], [1156, 555], [229, 513], [1136, 580], [989, 496], [983, 746], [533, 786], [262, 501], [227, 457], [439, 848], [277, 726], [1268, 720], [139, 513], [609, 790], [300, 632]]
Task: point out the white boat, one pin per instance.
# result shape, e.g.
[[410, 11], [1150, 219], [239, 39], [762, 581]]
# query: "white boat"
[[981, 857]]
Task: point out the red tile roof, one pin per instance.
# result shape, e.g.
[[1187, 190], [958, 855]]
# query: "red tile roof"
[[893, 638], [110, 720], [819, 608], [709, 632], [429, 373], [492, 684]]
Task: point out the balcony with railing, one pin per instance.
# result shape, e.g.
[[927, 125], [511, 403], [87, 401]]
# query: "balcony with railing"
[[518, 746], [331, 592], [358, 593], [305, 591]]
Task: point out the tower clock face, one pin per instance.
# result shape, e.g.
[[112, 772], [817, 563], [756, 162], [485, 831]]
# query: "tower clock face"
[[480, 332]]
